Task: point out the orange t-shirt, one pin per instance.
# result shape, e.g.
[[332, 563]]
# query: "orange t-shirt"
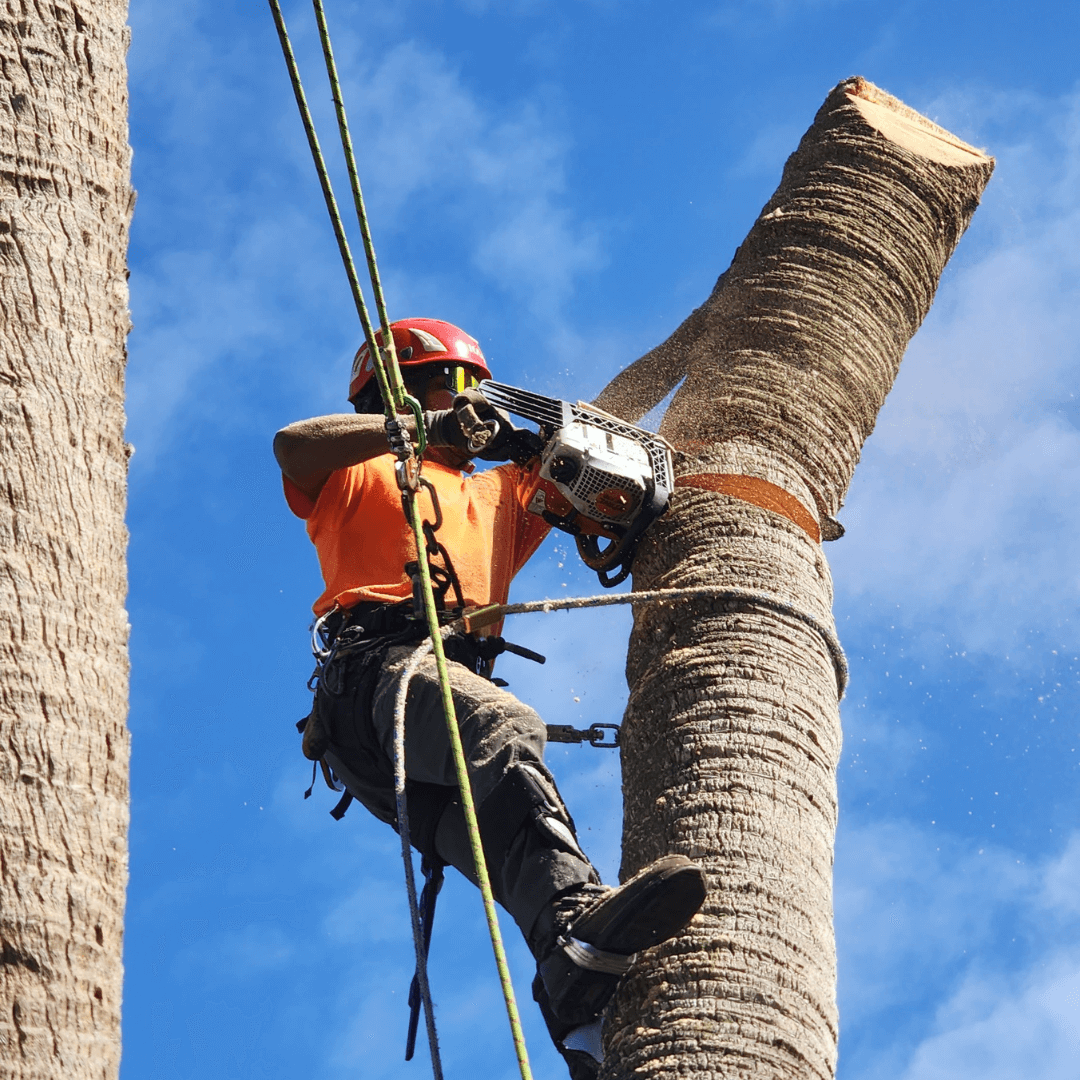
[[358, 527]]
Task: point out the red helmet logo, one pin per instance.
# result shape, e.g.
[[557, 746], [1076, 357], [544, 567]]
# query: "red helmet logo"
[[419, 342]]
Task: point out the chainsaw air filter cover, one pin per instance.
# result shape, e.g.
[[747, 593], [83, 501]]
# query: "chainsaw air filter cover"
[[614, 479], [605, 476]]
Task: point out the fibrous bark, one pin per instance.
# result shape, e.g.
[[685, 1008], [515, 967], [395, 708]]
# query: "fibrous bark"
[[65, 206], [732, 731]]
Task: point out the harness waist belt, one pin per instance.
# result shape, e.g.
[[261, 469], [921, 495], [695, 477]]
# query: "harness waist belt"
[[372, 620]]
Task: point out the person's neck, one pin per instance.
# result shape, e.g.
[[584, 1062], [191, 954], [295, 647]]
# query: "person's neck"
[[448, 457]]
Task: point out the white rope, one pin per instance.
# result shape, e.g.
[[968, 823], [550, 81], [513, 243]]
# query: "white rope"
[[486, 616]]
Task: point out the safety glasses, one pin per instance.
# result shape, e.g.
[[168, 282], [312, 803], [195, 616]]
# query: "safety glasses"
[[459, 377], [455, 377]]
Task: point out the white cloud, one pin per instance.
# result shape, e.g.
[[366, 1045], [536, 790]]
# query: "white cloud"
[[1005, 1032], [910, 904], [1062, 880], [956, 960], [496, 172]]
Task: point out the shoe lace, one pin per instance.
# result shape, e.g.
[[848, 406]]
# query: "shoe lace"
[[570, 907]]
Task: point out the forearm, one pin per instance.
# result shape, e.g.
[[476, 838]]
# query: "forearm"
[[310, 450]]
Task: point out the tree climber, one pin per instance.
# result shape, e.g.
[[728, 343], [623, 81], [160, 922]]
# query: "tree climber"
[[339, 477]]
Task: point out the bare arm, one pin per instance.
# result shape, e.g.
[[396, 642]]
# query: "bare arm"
[[310, 450]]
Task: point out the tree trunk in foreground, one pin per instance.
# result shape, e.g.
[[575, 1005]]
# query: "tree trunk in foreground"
[[65, 205], [732, 732]]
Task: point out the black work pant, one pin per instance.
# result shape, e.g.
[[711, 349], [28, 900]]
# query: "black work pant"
[[498, 733]]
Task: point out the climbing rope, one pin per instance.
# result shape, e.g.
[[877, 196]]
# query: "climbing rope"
[[324, 180], [478, 618], [395, 400]]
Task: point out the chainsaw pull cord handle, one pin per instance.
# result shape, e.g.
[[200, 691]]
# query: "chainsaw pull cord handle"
[[396, 400]]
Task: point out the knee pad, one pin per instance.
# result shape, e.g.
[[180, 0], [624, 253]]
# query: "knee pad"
[[525, 796]]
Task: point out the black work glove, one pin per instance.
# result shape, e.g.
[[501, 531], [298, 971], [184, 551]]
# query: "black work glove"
[[512, 443], [472, 426], [478, 429]]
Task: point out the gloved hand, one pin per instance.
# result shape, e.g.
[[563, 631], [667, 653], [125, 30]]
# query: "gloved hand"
[[472, 426], [478, 429], [510, 442]]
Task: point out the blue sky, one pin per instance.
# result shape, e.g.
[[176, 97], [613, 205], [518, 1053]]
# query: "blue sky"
[[566, 180]]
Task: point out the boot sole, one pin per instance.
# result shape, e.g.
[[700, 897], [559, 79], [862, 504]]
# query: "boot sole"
[[654, 905]]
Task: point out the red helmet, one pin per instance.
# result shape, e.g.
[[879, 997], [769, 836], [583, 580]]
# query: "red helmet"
[[420, 342]]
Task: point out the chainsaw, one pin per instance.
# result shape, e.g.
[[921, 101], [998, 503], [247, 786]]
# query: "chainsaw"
[[600, 478]]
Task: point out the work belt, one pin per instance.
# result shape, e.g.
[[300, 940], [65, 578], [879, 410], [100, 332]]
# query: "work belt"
[[365, 627], [365, 632], [367, 620], [351, 645]]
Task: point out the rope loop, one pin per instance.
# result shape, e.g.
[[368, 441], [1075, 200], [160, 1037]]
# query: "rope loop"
[[474, 619]]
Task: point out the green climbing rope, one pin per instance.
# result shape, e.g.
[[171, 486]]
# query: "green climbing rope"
[[324, 181], [395, 399], [396, 385]]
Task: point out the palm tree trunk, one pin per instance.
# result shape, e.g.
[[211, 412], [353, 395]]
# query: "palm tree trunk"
[[65, 206], [732, 732]]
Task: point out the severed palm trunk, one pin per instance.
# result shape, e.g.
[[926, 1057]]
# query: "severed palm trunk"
[[732, 732], [65, 205]]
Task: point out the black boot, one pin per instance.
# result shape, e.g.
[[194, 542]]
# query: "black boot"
[[585, 940]]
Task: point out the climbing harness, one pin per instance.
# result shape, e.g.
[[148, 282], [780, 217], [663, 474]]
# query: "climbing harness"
[[409, 463]]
